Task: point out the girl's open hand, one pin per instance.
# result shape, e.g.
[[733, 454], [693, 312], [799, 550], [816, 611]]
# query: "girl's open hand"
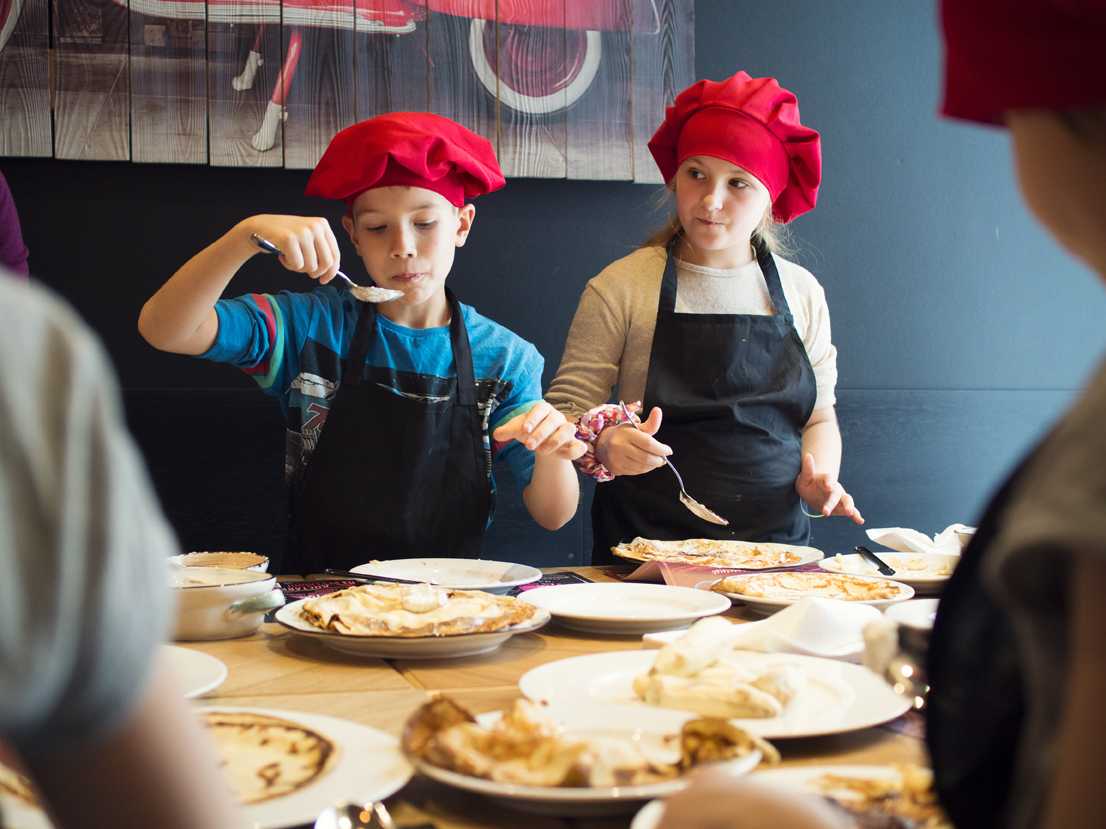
[[307, 243], [625, 450], [544, 431], [823, 493]]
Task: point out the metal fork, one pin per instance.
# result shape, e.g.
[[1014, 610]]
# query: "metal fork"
[[694, 507]]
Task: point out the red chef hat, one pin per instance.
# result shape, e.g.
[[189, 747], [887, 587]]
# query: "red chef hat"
[[753, 123], [410, 149], [1022, 54]]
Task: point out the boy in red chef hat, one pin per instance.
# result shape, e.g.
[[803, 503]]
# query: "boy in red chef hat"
[[411, 391], [710, 329]]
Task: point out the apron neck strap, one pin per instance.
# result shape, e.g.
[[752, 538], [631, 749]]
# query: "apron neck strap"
[[771, 275], [462, 352], [767, 264], [668, 281], [365, 333]]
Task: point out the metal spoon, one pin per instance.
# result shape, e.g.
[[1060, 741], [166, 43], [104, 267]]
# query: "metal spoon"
[[693, 506], [349, 574], [355, 816], [365, 293]]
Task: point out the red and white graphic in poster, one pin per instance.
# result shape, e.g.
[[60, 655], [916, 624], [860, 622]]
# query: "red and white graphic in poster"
[[564, 88]]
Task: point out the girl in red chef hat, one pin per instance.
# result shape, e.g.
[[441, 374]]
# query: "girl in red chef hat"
[[725, 343], [411, 391], [1017, 657]]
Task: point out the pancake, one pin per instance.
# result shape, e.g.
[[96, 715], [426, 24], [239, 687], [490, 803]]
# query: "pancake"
[[413, 611], [797, 585], [266, 757], [709, 552]]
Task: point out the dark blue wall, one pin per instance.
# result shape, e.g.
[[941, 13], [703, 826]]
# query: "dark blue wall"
[[962, 329]]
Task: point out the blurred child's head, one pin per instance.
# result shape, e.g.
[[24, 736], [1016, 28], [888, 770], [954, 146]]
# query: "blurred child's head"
[[406, 178], [1039, 67], [736, 150]]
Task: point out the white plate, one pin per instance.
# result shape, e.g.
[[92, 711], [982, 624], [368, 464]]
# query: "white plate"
[[916, 613], [839, 696], [765, 604], [925, 578], [795, 779], [458, 573], [197, 672], [369, 766], [625, 608], [404, 647], [599, 800]]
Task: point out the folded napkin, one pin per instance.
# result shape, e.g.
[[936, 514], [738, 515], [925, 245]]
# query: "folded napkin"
[[814, 627], [911, 541]]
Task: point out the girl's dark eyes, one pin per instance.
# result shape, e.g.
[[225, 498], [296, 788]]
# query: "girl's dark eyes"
[[738, 182], [425, 225]]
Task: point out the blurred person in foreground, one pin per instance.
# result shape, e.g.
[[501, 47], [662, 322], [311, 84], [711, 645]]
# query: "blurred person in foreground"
[[13, 252], [86, 708], [1017, 661]]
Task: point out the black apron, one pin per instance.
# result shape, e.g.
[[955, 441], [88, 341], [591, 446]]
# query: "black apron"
[[393, 476], [736, 391], [976, 704]]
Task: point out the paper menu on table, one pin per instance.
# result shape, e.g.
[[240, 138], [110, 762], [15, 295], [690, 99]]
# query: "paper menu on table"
[[679, 574]]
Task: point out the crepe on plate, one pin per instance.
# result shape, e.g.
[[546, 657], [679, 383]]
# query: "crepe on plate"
[[15, 785], [902, 800], [797, 585], [709, 552], [692, 673], [265, 757], [526, 747], [413, 610]]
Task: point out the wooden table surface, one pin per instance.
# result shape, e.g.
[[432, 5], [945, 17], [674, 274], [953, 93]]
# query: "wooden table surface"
[[274, 668]]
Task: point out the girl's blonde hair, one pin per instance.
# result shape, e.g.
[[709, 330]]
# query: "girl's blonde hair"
[[775, 235]]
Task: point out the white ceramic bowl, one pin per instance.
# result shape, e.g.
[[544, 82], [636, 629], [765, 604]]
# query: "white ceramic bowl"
[[237, 560], [220, 603]]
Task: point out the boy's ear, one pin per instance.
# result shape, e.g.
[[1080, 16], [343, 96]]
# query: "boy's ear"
[[347, 223], [465, 217]]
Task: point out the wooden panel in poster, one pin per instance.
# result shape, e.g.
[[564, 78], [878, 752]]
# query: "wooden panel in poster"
[[24, 79], [455, 91], [92, 101], [243, 65], [168, 82], [391, 58], [25, 128], [524, 66], [600, 133], [320, 92], [662, 64]]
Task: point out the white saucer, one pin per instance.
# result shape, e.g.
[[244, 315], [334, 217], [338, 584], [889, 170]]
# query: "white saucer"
[[626, 608], [196, 671], [458, 573], [916, 613]]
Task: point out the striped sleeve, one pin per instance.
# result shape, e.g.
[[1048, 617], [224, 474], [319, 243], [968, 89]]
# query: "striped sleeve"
[[252, 332]]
